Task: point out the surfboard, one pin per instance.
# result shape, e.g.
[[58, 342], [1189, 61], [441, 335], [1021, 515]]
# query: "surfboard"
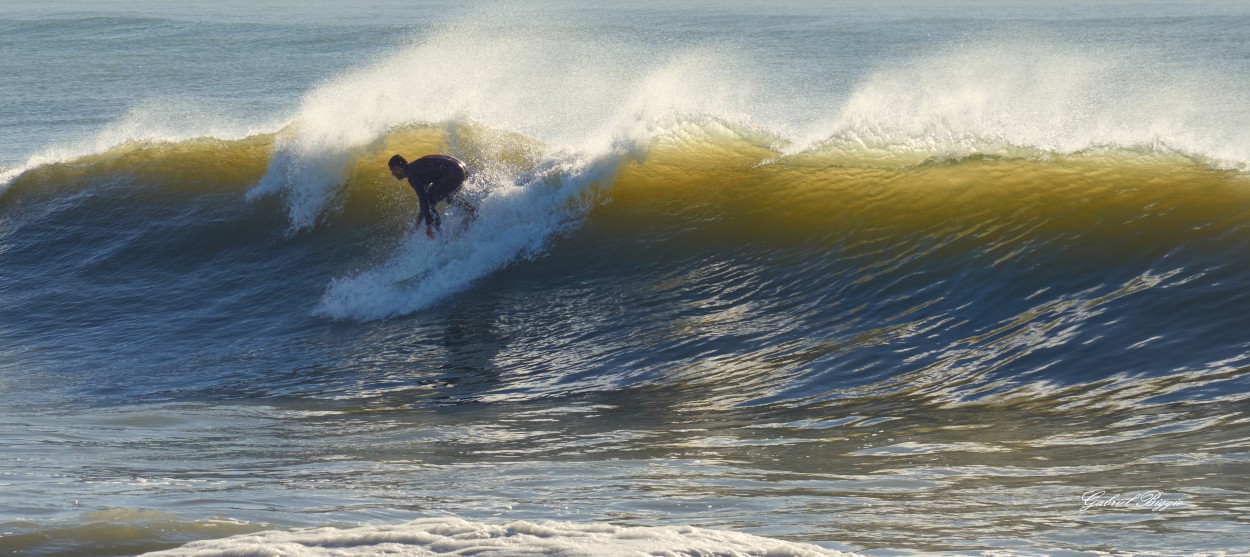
[[441, 257]]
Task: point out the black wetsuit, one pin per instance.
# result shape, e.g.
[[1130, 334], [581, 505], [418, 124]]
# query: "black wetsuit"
[[435, 178]]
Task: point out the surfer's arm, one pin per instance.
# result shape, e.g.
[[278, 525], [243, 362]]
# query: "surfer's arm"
[[424, 212]]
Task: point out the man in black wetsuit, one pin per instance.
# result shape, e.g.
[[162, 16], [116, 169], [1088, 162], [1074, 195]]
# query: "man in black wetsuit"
[[435, 178]]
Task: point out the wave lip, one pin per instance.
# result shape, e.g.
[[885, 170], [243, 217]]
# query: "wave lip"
[[455, 536], [1016, 97]]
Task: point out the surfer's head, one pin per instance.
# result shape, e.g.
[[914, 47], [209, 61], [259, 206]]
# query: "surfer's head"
[[398, 166]]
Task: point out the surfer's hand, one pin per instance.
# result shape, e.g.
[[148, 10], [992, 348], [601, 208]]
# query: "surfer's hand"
[[429, 231]]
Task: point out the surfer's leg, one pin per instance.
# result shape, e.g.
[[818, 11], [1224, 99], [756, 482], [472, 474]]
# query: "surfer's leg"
[[447, 187], [459, 202]]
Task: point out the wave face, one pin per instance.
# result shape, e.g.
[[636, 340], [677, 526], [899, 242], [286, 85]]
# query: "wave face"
[[764, 271]]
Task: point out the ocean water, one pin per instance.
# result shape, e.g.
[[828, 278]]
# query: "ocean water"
[[747, 278]]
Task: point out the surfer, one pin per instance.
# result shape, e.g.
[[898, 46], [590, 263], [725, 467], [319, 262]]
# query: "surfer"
[[435, 178]]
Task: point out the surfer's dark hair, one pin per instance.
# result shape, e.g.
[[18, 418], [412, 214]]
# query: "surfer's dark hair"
[[397, 160]]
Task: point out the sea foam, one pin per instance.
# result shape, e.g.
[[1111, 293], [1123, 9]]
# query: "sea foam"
[[455, 536]]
